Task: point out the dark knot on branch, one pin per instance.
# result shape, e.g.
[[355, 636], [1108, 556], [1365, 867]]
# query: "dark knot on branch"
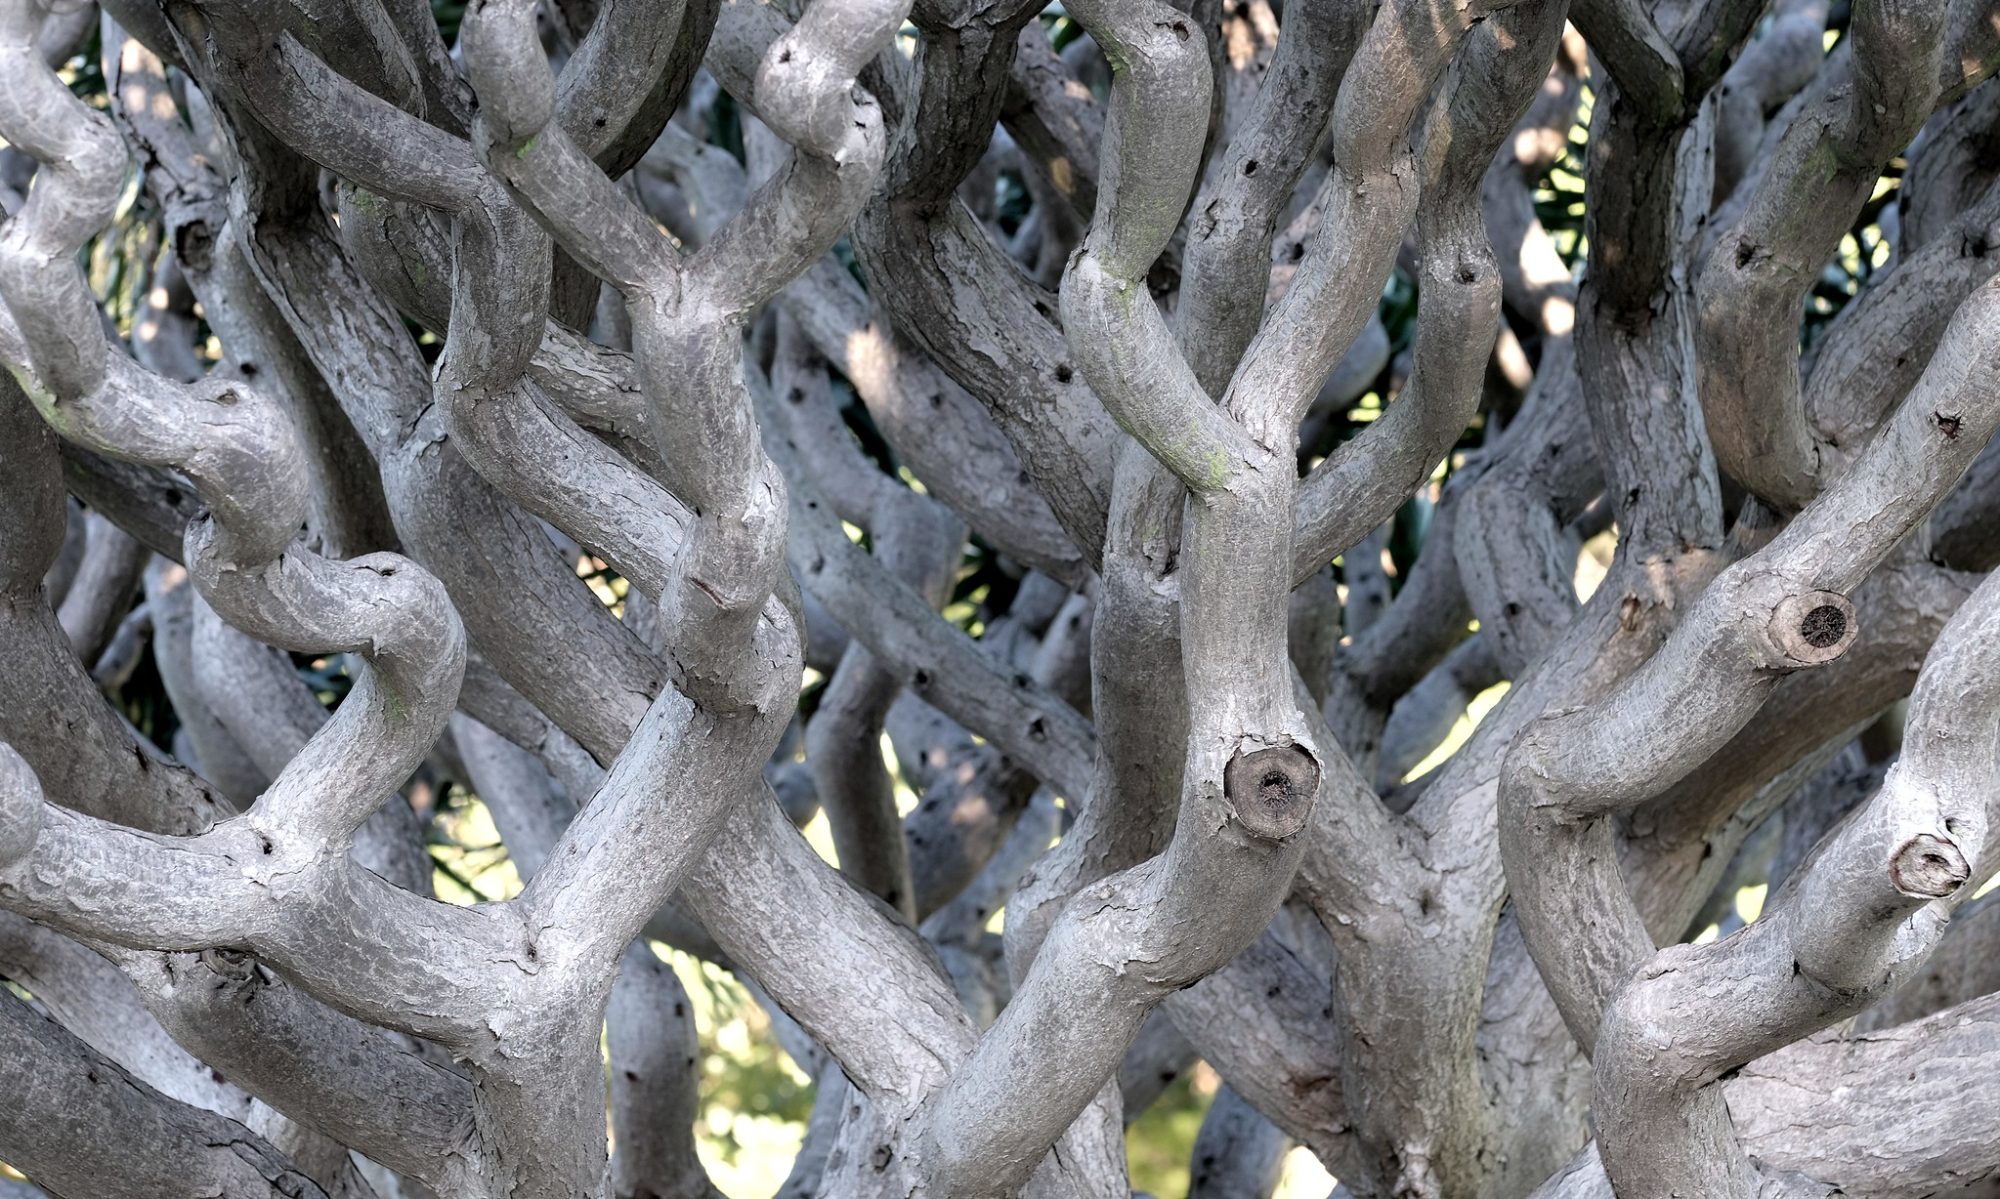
[[1928, 867], [1272, 790], [1814, 627], [1823, 626]]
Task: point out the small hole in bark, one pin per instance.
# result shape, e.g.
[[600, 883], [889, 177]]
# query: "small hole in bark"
[[1063, 373], [922, 678], [1249, 168], [1744, 253], [937, 401], [264, 844], [1948, 424], [1022, 680], [173, 497], [1823, 626], [1181, 30], [784, 56], [249, 370], [1467, 275], [1037, 730]]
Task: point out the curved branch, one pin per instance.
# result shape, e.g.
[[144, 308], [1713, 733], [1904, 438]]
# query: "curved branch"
[[1777, 611], [1753, 281], [71, 1102], [1862, 915], [943, 666]]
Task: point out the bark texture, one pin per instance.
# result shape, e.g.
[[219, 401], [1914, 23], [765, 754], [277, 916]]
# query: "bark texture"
[[1358, 528]]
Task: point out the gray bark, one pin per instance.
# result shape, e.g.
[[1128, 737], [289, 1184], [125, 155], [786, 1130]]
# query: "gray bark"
[[1018, 397]]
